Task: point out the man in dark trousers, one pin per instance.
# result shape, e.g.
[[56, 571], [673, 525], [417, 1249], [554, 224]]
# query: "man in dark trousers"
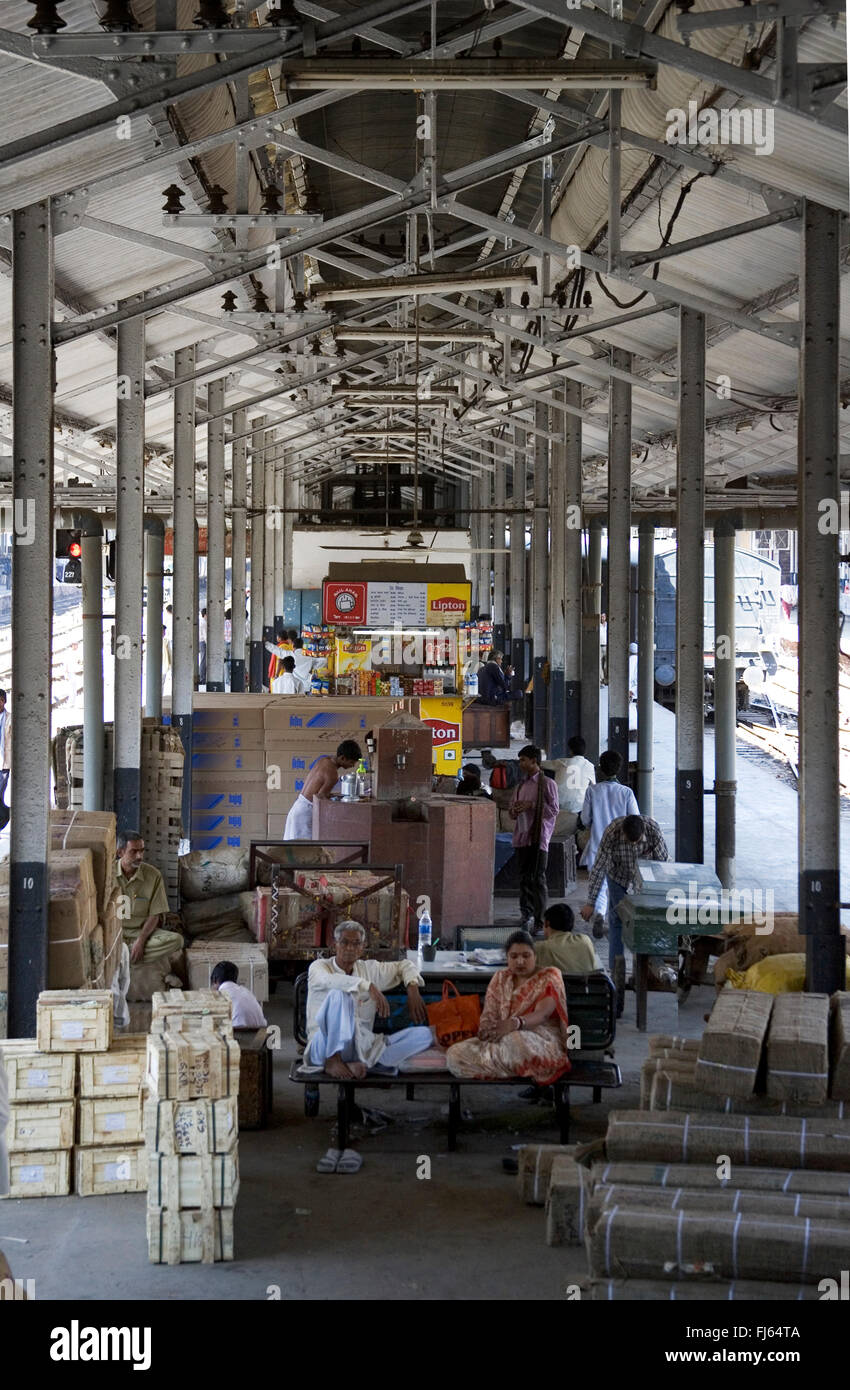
[[535, 810], [492, 687]]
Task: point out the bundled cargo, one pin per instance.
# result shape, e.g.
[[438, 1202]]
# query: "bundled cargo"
[[37, 1076], [251, 960], [840, 1046], [798, 1048], [789, 1205], [696, 1175], [761, 1140], [72, 918], [74, 1020], [535, 1167], [94, 831], [101, 1172], [681, 1065], [212, 874], [700, 1290], [731, 1046], [675, 1091], [43, 1174]]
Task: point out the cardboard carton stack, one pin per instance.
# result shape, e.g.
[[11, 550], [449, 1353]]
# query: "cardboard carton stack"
[[191, 1127], [252, 753]]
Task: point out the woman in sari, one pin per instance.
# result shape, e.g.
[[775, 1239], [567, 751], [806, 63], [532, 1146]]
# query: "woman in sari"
[[523, 1029]]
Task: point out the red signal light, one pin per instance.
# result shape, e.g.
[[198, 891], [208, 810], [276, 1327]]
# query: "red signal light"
[[75, 550]]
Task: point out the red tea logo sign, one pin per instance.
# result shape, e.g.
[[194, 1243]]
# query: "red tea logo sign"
[[344, 603], [448, 605], [443, 731]]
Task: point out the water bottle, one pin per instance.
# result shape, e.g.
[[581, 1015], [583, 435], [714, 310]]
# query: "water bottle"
[[424, 930]]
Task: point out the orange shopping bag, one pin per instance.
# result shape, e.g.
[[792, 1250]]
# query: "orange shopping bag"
[[454, 1019]]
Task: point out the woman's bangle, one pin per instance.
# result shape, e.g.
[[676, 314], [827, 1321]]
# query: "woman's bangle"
[[518, 1024]]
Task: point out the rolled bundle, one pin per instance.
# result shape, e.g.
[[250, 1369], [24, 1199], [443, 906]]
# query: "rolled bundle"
[[674, 1136], [648, 1244], [678, 1065], [698, 1290], [663, 1044], [535, 1166], [728, 1199], [675, 1090], [705, 1176]]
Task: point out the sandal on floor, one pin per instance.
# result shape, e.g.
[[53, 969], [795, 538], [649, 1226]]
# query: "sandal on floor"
[[329, 1162], [350, 1162]]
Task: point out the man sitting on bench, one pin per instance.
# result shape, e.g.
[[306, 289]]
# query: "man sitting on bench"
[[343, 996]]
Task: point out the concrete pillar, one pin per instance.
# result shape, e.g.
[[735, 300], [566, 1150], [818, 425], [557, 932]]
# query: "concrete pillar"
[[474, 541], [91, 542], [725, 702], [619, 556], [238, 551], [185, 567], [279, 543], [129, 550], [516, 559], [258, 528], [216, 537], [819, 511], [484, 556], [290, 495], [32, 609], [540, 572], [500, 557], [646, 662], [154, 555], [590, 645], [690, 586], [573, 713], [196, 610], [269, 546], [556, 744]]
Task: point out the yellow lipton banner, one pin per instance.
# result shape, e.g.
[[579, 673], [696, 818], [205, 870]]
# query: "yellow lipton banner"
[[447, 605], [353, 654]]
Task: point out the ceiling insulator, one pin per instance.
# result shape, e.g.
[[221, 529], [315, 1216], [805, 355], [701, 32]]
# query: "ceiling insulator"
[[173, 196], [561, 299], [228, 301], [356, 47], [285, 349], [284, 15], [525, 299], [586, 300], [216, 204], [311, 201], [272, 199], [261, 303], [554, 359], [118, 18], [300, 302], [46, 19], [382, 239], [497, 47], [211, 15], [499, 300]]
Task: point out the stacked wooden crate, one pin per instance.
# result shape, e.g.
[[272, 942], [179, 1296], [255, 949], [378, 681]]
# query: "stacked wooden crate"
[[109, 1156], [191, 1127], [161, 802]]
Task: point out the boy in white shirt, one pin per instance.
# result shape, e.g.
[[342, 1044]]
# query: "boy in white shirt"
[[288, 683], [245, 1011]]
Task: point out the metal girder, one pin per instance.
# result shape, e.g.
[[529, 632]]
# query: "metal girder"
[[20, 46], [149, 43], [156, 243], [463, 74], [234, 221], [340, 163], [633, 39], [764, 12], [788, 335], [680, 248]]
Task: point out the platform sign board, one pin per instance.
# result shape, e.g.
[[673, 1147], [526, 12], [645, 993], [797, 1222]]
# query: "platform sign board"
[[396, 605]]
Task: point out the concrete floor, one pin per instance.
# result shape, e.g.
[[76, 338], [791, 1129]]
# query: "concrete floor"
[[385, 1234]]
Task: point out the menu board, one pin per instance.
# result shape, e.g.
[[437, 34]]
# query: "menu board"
[[396, 605]]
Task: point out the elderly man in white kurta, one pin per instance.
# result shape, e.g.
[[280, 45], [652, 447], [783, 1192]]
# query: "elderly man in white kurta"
[[343, 996]]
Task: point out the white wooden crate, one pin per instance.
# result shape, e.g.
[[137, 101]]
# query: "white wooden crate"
[[188, 1008], [250, 957], [118, 1072], [74, 1020], [37, 1076], [194, 1180], [111, 1120], [101, 1171], [191, 1126], [46, 1173], [33, 1127], [192, 1065], [190, 1237]]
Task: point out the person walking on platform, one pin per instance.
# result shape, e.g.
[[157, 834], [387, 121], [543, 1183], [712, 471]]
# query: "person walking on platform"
[[602, 804], [535, 810]]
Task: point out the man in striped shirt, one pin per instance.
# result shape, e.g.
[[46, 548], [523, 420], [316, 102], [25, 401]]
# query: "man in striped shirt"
[[626, 840]]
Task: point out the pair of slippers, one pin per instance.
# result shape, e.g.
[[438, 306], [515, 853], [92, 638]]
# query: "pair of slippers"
[[340, 1161]]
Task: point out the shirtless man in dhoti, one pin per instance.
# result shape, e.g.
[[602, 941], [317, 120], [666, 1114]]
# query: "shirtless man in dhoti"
[[321, 780]]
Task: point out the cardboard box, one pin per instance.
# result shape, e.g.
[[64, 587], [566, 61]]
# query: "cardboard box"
[[232, 740], [100, 1172], [74, 1020], [190, 1236], [250, 760], [233, 823], [37, 1076], [72, 917], [92, 830], [277, 824], [35, 1127], [252, 961], [43, 1174], [118, 1072]]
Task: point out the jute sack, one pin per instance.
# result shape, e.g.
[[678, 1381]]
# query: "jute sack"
[[647, 1244], [675, 1091], [698, 1290], [695, 1175], [758, 1140], [798, 1048], [664, 1044], [782, 1205], [731, 1046], [678, 1065], [569, 1194], [535, 1166], [840, 1046]]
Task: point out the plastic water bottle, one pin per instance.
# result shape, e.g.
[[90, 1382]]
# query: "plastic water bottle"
[[424, 930]]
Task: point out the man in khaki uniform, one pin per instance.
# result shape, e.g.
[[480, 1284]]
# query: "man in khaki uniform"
[[142, 903]]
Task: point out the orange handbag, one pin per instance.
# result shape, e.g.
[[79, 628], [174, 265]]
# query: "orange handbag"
[[454, 1019]]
